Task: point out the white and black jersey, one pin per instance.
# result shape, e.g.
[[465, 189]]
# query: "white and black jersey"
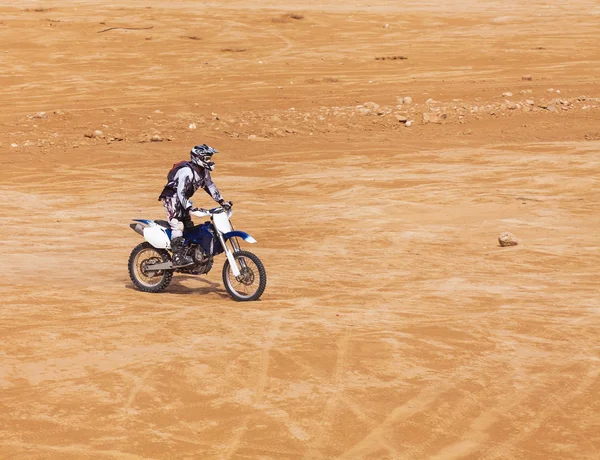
[[183, 181]]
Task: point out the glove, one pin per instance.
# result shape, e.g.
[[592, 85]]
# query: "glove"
[[198, 210], [226, 205]]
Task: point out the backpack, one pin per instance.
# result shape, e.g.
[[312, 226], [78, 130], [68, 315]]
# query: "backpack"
[[168, 191]]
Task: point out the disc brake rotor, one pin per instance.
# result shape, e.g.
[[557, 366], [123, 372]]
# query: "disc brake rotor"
[[246, 276]]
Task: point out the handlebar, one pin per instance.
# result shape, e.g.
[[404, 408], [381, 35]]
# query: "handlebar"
[[209, 212]]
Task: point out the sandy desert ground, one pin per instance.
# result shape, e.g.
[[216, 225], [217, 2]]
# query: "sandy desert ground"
[[393, 325]]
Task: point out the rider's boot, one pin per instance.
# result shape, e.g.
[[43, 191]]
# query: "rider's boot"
[[180, 259]]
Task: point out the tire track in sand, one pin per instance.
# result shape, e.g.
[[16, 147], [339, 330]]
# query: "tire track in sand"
[[263, 376], [505, 449], [322, 436], [376, 438]]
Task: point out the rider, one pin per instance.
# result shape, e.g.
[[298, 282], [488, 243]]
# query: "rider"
[[182, 182]]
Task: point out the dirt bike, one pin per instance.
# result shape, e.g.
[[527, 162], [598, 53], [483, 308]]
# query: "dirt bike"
[[150, 263]]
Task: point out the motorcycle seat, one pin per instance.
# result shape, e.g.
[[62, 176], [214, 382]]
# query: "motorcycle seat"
[[163, 223]]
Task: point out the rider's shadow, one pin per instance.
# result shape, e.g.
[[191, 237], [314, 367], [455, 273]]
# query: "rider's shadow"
[[179, 289], [212, 288]]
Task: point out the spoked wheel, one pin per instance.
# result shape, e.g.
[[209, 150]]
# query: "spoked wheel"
[[252, 280], [142, 257]]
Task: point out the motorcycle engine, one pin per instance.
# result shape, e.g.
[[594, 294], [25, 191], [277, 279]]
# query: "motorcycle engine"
[[203, 262]]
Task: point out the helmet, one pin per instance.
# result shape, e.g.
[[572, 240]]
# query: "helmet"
[[201, 155]]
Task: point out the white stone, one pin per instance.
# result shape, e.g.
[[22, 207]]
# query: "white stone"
[[192, 126], [433, 118], [371, 106], [507, 94], [38, 115], [14, 145]]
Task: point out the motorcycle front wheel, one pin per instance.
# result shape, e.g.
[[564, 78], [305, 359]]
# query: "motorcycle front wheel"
[[252, 281], [142, 257]]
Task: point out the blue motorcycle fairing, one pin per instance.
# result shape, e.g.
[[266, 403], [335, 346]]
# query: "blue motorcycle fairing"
[[203, 236], [245, 236]]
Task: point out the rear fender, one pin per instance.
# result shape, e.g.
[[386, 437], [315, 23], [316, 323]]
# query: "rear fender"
[[153, 233], [245, 236], [157, 237]]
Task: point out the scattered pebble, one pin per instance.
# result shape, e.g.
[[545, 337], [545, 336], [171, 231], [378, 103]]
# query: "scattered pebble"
[[527, 78], [156, 138], [38, 115], [433, 117], [13, 145], [507, 239], [507, 94], [192, 126]]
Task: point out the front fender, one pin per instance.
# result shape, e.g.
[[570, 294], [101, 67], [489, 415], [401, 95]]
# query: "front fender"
[[245, 236]]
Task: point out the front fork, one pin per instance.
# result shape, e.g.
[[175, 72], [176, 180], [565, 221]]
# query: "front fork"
[[229, 254]]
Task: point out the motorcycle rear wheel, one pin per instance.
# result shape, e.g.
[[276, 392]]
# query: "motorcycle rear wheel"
[[143, 256], [252, 281]]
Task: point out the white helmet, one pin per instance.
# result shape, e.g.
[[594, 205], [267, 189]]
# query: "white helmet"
[[201, 155]]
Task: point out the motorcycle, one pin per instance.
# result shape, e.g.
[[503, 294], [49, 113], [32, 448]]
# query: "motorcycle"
[[150, 262]]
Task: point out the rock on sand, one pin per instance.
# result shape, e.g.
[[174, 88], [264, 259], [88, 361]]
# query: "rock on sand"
[[507, 239]]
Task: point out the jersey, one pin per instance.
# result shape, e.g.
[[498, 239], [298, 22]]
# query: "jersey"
[[184, 179]]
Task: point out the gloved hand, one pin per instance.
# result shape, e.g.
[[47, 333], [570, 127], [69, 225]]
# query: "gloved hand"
[[226, 205]]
